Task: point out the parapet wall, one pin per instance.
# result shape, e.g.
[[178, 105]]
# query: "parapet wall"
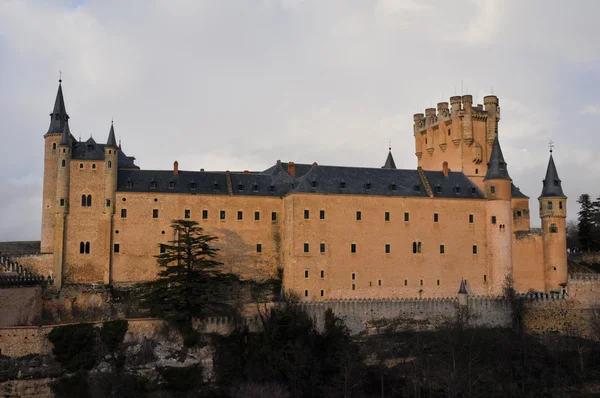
[[585, 289], [20, 306]]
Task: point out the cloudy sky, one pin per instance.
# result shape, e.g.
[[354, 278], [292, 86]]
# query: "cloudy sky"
[[238, 84]]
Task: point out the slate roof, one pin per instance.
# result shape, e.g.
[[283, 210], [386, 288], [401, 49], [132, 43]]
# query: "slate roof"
[[463, 288], [516, 192], [112, 141], [497, 166], [66, 134], [301, 168], [90, 150], [59, 116], [552, 186], [275, 181], [389, 162]]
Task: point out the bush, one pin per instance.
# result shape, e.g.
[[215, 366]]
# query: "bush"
[[74, 346], [71, 386], [112, 334], [183, 378]]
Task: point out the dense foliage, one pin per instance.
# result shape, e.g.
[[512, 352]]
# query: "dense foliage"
[[74, 346], [190, 282]]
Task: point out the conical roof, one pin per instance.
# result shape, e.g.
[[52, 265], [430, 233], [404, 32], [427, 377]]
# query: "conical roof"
[[496, 165], [112, 141], [463, 287], [389, 162], [66, 133], [59, 116], [551, 184]]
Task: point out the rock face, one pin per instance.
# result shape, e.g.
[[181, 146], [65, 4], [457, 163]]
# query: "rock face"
[[26, 388]]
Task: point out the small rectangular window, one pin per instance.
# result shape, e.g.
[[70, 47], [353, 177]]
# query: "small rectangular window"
[[353, 276], [358, 216], [62, 203], [322, 214], [353, 286], [322, 248], [257, 216], [163, 249], [306, 214], [186, 213], [205, 214], [387, 248], [474, 249], [305, 274], [421, 282], [493, 190], [406, 217], [553, 229], [274, 216], [549, 205], [438, 282], [155, 213], [493, 219], [259, 248], [322, 274], [442, 249], [353, 248], [387, 216], [123, 213], [240, 215], [322, 292], [306, 247], [435, 217], [471, 218], [107, 202], [485, 278], [406, 282], [519, 213], [560, 205], [306, 293], [116, 248], [222, 214]]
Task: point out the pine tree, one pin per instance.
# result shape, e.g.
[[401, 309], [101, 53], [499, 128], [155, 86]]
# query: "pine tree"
[[586, 223], [190, 282]]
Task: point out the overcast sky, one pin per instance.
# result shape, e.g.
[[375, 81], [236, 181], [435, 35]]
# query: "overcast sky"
[[227, 84]]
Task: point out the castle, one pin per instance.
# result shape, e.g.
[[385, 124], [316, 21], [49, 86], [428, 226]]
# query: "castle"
[[337, 232]]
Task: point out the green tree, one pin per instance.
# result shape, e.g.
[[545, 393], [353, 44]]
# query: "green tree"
[[585, 222], [191, 282]]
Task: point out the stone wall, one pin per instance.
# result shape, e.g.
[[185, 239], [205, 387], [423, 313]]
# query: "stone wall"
[[20, 306], [558, 316], [40, 264], [584, 288]]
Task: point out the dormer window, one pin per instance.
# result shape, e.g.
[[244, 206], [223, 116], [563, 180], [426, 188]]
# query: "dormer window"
[[215, 186], [393, 186], [473, 190], [272, 189], [255, 187], [502, 165], [555, 183], [368, 185], [457, 190], [152, 184], [342, 185], [171, 184], [128, 183], [314, 184], [240, 187], [417, 188], [438, 189], [193, 186]]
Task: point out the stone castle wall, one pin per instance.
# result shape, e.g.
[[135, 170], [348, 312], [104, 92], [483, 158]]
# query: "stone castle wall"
[[20, 305]]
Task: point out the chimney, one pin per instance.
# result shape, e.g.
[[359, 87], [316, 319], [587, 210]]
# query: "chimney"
[[315, 164], [292, 169], [246, 172], [175, 168], [445, 168]]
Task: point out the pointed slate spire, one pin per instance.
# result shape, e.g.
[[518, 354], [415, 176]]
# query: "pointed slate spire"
[[66, 134], [463, 288], [59, 116], [497, 165], [389, 162], [112, 141], [551, 184]]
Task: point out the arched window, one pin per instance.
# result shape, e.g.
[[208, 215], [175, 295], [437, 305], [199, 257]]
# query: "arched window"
[[109, 164], [54, 146], [81, 247], [87, 247], [89, 200], [63, 163], [81, 165], [83, 200]]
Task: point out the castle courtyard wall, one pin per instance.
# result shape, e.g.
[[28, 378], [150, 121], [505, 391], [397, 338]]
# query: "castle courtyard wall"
[[20, 306], [528, 262]]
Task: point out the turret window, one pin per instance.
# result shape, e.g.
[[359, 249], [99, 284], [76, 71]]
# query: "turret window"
[[549, 205], [86, 201], [154, 213], [274, 216], [493, 190], [123, 213], [109, 164], [560, 206], [63, 163], [553, 229], [117, 248], [107, 202], [81, 165], [94, 166], [306, 247], [54, 146], [62, 203]]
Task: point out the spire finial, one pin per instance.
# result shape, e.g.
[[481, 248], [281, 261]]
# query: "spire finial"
[[390, 147], [60, 76], [551, 146]]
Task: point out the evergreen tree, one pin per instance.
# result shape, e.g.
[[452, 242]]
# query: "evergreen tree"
[[586, 223], [190, 282]]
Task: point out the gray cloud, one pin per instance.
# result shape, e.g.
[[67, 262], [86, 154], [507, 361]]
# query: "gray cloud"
[[239, 84]]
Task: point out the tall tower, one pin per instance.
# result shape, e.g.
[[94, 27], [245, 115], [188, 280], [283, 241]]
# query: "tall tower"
[[61, 204], [497, 187], [58, 120], [553, 212], [110, 189]]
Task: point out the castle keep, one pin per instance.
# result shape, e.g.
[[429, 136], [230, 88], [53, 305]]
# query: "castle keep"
[[337, 232]]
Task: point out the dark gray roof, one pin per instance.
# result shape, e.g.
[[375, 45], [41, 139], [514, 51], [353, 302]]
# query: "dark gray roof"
[[552, 184], [319, 179], [515, 192], [389, 162], [59, 116], [66, 134], [301, 168], [497, 166], [463, 288], [112, 141], [90, 150]]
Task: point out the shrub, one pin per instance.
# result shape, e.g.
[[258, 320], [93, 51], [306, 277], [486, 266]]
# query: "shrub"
[[112, 334], [74, 346], [183, 378], [71, 386]]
